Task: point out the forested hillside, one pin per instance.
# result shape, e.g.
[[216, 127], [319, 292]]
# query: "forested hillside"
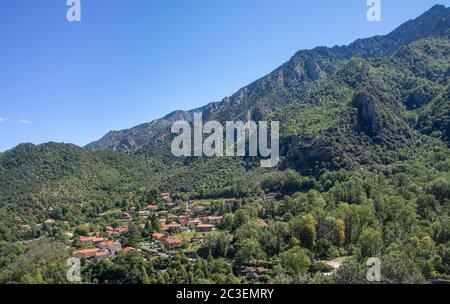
[[364, 172]]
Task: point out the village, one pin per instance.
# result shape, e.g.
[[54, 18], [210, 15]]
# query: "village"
[[182, 226]]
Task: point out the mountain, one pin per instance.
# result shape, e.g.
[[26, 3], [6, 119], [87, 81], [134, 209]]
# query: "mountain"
[[35, 178], [289, 84], [376, 102]]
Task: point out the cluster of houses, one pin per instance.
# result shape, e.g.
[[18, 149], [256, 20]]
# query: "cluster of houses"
[[99, 248], [175, 219], [195, 216]]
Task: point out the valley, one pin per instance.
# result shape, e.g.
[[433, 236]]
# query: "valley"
[[363, 172]]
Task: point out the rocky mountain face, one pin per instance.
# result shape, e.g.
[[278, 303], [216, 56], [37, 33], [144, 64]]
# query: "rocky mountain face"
[[366, 129], [292, 83]]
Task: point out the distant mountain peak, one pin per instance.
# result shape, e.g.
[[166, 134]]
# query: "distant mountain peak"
[[284, 84]]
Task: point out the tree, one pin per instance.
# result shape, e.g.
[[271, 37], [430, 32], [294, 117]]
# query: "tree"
[[132, 236], [398, 268], [43, 263], [351, 272], [340, 232], [295, 261], [82, 230], [304, 229], [370, 243], [153, 224], [441, 189], [240, 218], [216, 244], [227, 222], [249, 251]]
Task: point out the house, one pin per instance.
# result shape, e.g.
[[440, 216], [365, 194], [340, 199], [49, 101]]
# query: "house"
[[171, 227], [172, 243], [144, 213], [165, 196], [126, 216], [49, 221], [152, 207], [205, 228], [111, 247], [163, 221], [214, 219], [158, 236], [85, 253], [194, 222], [89, 240], [17, 218], [116, 231], [25, 228]]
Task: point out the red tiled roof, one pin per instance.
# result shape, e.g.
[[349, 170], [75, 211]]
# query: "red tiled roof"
[[86, 251], [158, 236], [205, 226], [172, 241], [128, 249], [109, 244], [91, 239]]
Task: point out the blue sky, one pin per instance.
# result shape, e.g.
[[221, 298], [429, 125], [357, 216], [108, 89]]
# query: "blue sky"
[[129, 62]]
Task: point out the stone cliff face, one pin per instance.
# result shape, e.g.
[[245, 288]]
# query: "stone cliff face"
[[369, 125]]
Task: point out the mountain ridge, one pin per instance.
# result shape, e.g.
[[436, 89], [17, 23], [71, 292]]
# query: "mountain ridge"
[[289, 81]]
